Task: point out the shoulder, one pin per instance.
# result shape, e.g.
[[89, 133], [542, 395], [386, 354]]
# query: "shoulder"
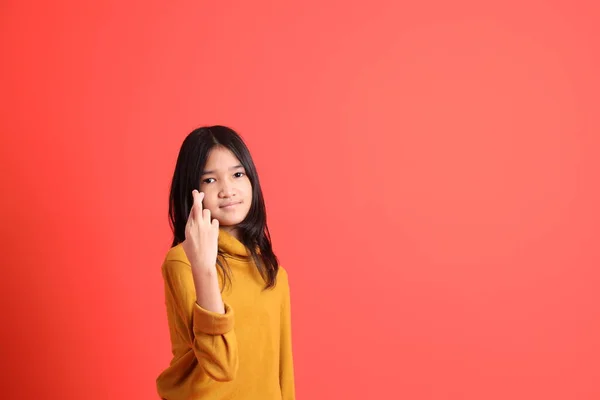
[[282, 273], [282, 277], [175, 259], [177, 253]]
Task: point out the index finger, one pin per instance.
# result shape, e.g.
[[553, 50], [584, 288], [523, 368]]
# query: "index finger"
[[198, 198]]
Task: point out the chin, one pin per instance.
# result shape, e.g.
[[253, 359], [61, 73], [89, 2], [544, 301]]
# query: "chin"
[[229, 222]]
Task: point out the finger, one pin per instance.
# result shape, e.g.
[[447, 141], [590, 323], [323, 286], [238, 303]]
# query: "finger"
[[190, 226], [197, 206], [215, 223], [198, 198], [190, 217], [188, 223], [191, 213], [206, 215]]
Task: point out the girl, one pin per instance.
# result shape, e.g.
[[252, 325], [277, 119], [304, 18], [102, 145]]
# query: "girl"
[[227, 299]]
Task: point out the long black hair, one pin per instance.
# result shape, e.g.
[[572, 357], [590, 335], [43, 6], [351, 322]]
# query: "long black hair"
[[253, 230]]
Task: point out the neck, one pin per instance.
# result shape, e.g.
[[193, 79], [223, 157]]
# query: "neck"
[[232, 230], [230, 244]]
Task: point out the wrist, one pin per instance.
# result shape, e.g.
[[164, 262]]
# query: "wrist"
[[204, 274], [203, 267]]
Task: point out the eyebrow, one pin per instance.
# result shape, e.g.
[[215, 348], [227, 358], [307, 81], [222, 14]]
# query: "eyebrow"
[[231, 168]]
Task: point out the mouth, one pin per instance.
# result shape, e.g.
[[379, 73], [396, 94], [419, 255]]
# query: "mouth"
[[230, 205]]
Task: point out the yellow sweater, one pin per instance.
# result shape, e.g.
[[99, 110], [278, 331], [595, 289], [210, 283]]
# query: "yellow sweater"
[[245, 353]]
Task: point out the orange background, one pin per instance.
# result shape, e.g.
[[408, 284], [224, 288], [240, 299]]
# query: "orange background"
[[431, 174]]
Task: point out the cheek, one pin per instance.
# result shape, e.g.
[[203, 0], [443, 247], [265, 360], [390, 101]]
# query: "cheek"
[[210, 200], [247, 187], [248, 191], [212, 207]]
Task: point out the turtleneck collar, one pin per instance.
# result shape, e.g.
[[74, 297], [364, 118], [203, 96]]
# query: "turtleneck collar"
[[230, 245]]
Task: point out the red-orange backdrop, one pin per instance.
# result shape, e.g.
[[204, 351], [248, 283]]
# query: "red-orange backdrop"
[[431, 175]]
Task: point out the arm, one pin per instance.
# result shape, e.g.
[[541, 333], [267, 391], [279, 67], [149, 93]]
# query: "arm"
[[208, 293], [209, 334], [286, 362]]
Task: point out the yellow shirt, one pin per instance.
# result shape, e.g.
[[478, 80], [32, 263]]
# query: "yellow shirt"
[[245, 353]]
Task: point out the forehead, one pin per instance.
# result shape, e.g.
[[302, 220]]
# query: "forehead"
[[221, 158]]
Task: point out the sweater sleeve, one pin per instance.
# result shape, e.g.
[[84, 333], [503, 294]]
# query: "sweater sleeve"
[[210, 335], [286, 362]]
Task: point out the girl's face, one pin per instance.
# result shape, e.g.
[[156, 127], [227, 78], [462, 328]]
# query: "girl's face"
[[227, 188]]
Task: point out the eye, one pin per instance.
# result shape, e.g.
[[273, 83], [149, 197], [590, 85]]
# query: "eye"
[[208, 180], [239, 174]]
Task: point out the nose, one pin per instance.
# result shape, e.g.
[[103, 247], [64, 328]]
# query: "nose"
[[226, 189]]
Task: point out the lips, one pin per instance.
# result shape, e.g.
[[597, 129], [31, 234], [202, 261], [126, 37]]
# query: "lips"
[[230, 205]]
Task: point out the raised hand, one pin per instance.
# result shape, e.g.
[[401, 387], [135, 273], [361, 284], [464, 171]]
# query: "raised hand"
[[201, 236]]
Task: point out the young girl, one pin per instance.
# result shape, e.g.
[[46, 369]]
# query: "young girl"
[[227, 299]]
